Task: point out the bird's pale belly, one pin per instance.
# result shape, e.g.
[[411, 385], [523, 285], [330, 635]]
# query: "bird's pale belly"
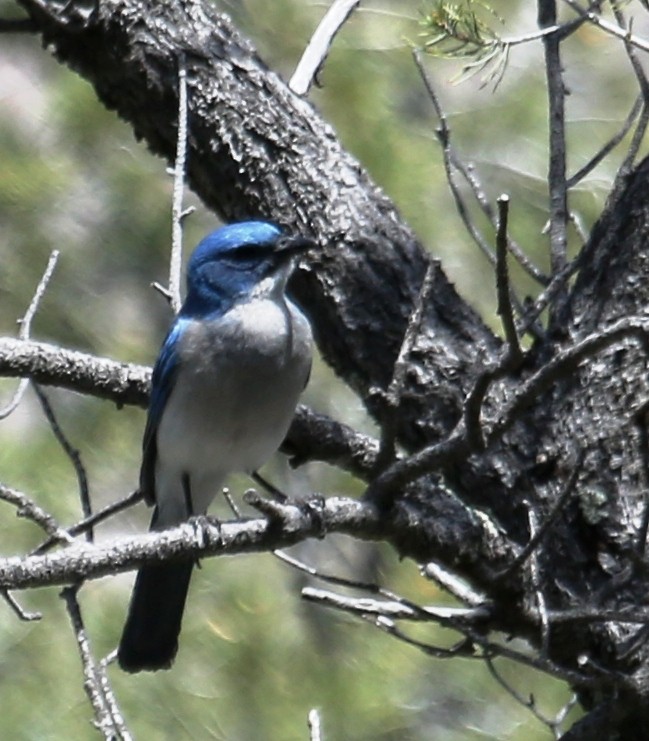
[[232, 426], [234, 406]]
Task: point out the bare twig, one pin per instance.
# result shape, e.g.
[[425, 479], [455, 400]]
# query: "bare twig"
[[177, 213], [95, 686], [109, 696], [444, 136], [319, 46], [542, 531], [454, 584], [71, 452], [541, 605], [468, 173], [391, 605], [503, 286], [464, 648], [392, 397], [527, 702], [643, 83], [610, 28], [547, 16], [545, 298], [473, 403], [94, 519], [398, 608], [451, 164], [608, 147], [25, 329], [313, 721], [31, 511], [385, 487], [26, 322], [17, 608]]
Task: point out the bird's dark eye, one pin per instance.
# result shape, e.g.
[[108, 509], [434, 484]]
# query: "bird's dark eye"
[[247, 253]]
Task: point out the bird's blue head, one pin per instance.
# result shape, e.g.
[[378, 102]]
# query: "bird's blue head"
[[236, 262]]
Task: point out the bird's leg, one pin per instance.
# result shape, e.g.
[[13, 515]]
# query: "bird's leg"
[[187, 493], [189, 506], [272, 490]]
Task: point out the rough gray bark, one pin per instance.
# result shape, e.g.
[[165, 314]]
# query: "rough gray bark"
[[256, 149]]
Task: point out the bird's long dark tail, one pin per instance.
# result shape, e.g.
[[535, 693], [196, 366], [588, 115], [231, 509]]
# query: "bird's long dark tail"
[[150, 637]]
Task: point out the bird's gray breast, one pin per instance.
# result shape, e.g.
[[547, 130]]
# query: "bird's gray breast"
[[239, 380]]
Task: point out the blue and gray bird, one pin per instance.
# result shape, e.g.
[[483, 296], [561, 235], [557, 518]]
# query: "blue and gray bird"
[[224, 391]]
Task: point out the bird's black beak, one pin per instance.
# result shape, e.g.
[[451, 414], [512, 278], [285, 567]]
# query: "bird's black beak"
[[294, 245]]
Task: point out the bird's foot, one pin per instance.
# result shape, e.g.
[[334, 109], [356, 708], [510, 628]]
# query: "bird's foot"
[[204, 526]]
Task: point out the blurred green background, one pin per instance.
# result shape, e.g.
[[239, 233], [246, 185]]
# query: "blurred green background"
[[254, 658]]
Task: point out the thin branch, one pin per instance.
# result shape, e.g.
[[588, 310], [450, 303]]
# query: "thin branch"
[[468, 173], [608, 147], [503, 286], [320, 44], [454, 584], [96, 687], [457, 617], [558, 193], [643, 83], [30, 510], [25, 329], [541, 532], [392, 398], [26, 322], [444, 136], [449, 159], [528, 703], [464, 648], [383, 490], [27, 617], [392, 605], [109, 696], [15, 400], [610, 28], [535, 576], [544, 299], [399, 608], [71, 452], [177, 213], [453, 161], [84, 525], [313, 721]]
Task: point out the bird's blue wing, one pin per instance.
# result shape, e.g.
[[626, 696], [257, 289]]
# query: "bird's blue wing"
[[163, 379]]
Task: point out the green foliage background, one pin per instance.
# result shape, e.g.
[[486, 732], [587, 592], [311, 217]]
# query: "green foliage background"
[[254, 659]]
